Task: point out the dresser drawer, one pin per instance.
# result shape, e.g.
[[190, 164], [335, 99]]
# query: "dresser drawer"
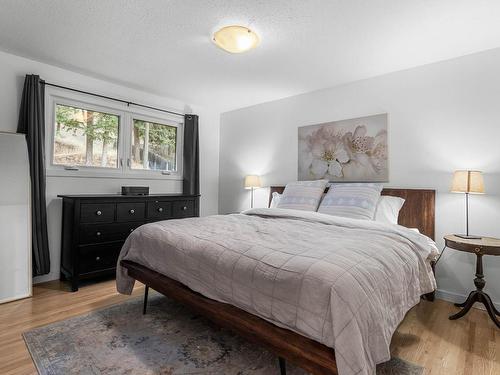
[[97, 212], [95, 258], [183, 209], [159, 210], [133, 211], [96, 233]]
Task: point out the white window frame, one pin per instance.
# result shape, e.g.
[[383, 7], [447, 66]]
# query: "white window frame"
[[55, 96]]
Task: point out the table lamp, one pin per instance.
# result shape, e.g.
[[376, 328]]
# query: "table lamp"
[[252, 182], [468, 182]]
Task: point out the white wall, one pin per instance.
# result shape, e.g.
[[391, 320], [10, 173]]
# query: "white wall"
[[12, 72], [442, 117]]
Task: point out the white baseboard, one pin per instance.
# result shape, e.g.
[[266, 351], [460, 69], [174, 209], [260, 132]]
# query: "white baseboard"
[[459, 298], [15, 298]]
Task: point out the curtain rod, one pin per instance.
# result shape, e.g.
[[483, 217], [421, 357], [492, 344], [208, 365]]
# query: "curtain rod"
[[128, 103]]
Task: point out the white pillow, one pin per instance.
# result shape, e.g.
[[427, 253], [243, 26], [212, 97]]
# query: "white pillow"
[[276, 197], [275, 200], [352, 200], [388, 208], [302, 195]]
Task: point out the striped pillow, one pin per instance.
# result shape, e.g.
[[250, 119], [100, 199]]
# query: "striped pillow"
[[356, 201], [302, 195]]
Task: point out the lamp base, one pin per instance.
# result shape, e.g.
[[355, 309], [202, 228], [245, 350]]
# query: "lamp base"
[[468, 236]]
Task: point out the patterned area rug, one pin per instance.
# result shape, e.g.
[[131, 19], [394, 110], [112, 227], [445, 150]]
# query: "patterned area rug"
[[169, 339]]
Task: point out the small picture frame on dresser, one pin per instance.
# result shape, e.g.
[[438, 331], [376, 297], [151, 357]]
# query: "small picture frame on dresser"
[[135, 190]]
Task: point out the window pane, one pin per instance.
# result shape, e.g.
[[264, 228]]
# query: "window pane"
[[85, 138], [153, 146]]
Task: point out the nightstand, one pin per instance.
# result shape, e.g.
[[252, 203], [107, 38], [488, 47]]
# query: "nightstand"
[[480, 247]]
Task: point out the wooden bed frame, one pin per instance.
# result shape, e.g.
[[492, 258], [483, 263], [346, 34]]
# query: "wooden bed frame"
[[316, 358]]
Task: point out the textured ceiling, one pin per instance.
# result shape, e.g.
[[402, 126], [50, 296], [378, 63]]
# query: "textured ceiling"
[[164, 46]]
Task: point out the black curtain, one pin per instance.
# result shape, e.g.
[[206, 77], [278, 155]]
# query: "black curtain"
[[191, 183], [32, 123]]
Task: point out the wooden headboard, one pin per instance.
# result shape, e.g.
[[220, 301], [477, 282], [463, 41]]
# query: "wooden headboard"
[[417, 211]]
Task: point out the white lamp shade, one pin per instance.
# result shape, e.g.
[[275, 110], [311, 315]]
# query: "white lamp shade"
[[467, 182], [252, 182]]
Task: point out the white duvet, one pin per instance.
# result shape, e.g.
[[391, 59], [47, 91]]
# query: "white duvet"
[[346, 283]]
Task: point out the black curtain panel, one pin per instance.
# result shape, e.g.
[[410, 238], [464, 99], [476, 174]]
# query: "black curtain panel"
[[32, 123], [191, 183]]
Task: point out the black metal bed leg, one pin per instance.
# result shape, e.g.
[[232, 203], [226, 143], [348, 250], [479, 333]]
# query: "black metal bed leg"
[[282, 362], [146, 290]]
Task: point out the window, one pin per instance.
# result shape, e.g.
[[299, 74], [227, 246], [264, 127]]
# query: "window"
[[153, 146], [85, 138], [93, 137]]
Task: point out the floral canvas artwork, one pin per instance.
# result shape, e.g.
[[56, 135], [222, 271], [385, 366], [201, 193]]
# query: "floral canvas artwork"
[[352, 150]]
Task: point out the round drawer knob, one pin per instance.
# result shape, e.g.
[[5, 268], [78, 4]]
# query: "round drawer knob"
[[477, 250], [98, 234], [160, 209], [98, 213], [184, 208], [132, 212], [98, 258]]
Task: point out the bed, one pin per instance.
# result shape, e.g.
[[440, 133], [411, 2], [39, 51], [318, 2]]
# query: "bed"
[[351, 298]]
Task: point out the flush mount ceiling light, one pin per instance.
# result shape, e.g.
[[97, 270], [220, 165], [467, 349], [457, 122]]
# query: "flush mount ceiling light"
[[236, 39]]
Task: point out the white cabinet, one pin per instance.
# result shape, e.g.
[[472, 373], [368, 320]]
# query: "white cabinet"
[[15, 222]]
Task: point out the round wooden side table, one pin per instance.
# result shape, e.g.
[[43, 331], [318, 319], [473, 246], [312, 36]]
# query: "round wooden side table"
[[480, 247]]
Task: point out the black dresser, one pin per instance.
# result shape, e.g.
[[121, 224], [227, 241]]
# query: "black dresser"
[[94, 228]]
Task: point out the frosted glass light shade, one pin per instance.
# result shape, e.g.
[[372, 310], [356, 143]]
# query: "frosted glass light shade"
[[236, 39], [467, 182], [252, 182]]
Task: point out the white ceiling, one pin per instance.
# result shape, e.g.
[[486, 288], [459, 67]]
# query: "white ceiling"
[[164, 46]]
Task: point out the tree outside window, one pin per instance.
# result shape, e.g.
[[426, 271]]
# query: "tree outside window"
[[153, 146], [85, 138]]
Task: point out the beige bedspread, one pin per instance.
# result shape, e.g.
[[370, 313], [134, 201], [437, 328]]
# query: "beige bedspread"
[[343, 282]]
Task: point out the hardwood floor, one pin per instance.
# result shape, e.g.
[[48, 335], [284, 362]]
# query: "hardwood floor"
[[470, 345], [51, 302]]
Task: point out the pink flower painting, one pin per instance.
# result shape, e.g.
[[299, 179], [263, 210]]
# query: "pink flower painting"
[[346, 150]]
